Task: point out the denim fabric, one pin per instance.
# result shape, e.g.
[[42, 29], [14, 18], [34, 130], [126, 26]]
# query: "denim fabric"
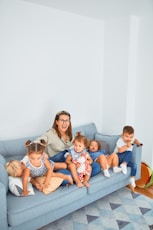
[[67, 172], [95, 169], [133, 167], [127, 157], [59, 157]]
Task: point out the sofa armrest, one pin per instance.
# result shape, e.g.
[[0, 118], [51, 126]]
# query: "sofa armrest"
[[137, 156], [3, 208]]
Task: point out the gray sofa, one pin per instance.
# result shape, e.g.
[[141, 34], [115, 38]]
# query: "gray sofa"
[[33, 212]]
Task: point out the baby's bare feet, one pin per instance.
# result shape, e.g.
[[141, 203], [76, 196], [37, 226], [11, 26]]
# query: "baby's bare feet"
[[86, 184], [69, 178], [79, 184], [39, 187]]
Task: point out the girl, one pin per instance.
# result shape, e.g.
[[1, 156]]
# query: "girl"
[[35, 164], [81, 159]]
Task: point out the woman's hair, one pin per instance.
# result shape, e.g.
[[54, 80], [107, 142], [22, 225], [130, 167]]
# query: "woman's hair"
[[11, 167], [98, 144], [35, 147], [82, 139], [55, 126], [128, 129]]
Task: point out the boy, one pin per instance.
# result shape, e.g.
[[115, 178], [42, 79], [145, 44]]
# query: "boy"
[[124, 147]]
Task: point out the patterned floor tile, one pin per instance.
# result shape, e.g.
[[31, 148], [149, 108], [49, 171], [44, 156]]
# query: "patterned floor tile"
[[121, 210]]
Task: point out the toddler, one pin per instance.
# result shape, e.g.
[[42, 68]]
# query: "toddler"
[[106, 161], [80, 157]]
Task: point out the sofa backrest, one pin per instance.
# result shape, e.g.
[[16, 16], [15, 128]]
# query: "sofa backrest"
[[88, 130], [109, 139], [15, 149]]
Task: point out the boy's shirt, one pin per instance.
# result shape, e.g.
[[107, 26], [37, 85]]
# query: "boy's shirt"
[[120, 143]]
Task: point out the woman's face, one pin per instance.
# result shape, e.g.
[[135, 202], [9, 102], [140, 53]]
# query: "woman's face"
[[63, 123]]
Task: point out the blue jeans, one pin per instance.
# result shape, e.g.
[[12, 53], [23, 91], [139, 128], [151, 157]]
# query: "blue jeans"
[[127, 157], [95, 170], [59, 157]]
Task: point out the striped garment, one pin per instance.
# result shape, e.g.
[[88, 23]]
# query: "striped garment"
[[36, 171]]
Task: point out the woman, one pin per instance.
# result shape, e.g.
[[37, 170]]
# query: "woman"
[[59, 138]]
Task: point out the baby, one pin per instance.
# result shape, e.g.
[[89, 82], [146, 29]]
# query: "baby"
[[79, 156], [106, 161]]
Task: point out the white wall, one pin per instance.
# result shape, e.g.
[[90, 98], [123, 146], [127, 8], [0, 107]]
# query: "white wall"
[[50, 61], [127, 92], [98, 70], [116, 48], [144, 93]]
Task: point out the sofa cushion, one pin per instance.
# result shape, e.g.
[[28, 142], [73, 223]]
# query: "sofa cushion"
[[30, 207], [104, 185], [15, 186], [110, 139], [104, 145], [4, 176], [54, 183]]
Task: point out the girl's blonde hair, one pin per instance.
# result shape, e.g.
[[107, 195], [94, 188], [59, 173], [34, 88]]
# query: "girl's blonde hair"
[[11, 167]]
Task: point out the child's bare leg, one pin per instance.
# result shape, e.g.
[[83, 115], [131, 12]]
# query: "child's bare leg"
[[87, 177], [72, 168], [113, 161], [102, 161], [36, 184], [63, 176], [60, 165]]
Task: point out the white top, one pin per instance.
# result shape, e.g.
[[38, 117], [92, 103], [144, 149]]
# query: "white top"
[[120, 143]]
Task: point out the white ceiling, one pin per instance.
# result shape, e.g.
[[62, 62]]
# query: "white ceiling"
[[100, 9]]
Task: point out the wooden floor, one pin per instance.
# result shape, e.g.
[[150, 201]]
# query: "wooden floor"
[[145, 191]]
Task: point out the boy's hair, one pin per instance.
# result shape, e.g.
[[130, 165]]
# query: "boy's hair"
[[99, 145], [11, 167], [55, 126], [82, 139], [128, 129], [35, 147]]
